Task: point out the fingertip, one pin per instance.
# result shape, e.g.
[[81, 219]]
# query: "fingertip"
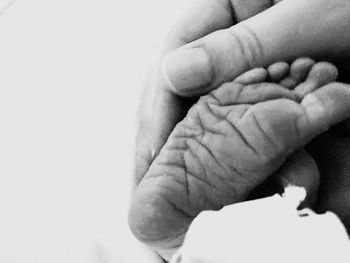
[[165, 77], [187, 70]]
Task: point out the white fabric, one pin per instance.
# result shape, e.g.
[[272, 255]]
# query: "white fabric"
[[269, 230], [70, 78]]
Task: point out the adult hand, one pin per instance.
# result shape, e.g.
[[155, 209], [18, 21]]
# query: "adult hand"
[[161, 108], [213, 50]]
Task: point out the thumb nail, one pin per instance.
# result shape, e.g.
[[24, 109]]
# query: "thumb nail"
[[187, 70]]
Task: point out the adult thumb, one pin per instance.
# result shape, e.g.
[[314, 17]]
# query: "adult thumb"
[[286, 31]]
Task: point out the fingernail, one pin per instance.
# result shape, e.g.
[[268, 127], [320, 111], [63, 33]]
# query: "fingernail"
[[187, 70]]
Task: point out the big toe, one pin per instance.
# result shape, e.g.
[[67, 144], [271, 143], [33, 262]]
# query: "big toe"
[[299, 70], [320, 74]]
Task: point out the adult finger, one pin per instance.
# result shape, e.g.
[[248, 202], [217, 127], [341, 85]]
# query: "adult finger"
[[207, 16], [203, 18], [291, 29]]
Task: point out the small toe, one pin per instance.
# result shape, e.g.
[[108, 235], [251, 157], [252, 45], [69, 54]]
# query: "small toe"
[[278, 71], [321, 74], [298, 72], [253, 76], [301, 67]]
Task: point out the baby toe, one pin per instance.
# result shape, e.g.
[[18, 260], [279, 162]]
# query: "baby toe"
[[255, 75], [322, 73], [299, 70], [278, 71]]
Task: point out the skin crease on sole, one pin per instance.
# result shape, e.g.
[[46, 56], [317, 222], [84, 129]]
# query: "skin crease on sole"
[[223, 149]]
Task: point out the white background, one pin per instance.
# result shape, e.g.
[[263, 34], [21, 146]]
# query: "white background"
[[70, 77]]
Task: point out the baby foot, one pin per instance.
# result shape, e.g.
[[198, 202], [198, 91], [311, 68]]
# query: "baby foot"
[[230, 141]]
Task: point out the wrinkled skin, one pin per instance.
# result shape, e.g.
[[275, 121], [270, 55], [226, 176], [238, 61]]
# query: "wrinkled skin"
[[272, 31], [230, 141]]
